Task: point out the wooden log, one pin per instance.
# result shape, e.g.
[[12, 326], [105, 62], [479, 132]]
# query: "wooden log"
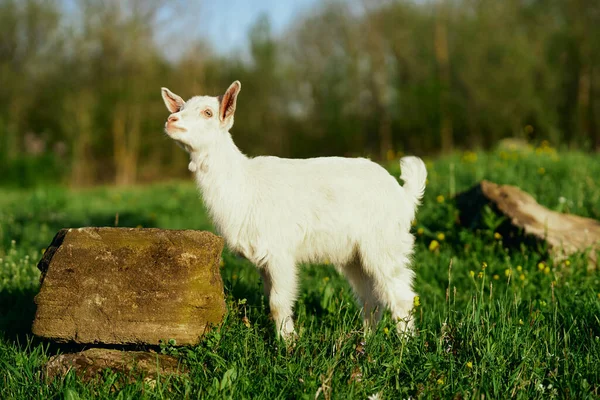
[[130, 286], [565, 234]]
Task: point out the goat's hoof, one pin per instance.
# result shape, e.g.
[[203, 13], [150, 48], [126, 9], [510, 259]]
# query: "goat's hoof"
[[405, 328], [289, 339], [287, 335]]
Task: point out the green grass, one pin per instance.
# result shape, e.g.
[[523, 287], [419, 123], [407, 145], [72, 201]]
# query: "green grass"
[[520, 327]]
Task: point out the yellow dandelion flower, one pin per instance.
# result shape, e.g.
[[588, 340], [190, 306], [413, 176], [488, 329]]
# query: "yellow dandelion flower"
[[519, 268], [520, 322], [441, 237], [483, 265], [547, 270], [543, 303], [541, 266], [417, 301], [472, 273], [326, 279], [440, 381], [420, 231], [541, 170], [434, 245], [522, 277], [507, 272], [469, 157], [496, 277], [386, 331], [497, 236], [480, 275], [440, 199], [567, 262], [469, 364]]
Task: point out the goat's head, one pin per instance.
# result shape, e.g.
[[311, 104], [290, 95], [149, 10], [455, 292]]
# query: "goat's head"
[[199, 121]]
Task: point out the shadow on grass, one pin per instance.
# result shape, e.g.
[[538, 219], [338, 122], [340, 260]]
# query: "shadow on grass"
[[17, 311], [477, 214]]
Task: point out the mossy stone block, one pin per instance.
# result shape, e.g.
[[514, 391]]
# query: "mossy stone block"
[[130, 286]]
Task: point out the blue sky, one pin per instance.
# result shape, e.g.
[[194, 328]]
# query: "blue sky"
[[223, 23], [226, 22]]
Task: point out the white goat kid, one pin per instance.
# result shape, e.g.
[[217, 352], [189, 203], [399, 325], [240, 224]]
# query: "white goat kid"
[[280, 212]]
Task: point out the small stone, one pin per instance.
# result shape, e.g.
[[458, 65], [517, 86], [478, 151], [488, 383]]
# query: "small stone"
[[90, 364]]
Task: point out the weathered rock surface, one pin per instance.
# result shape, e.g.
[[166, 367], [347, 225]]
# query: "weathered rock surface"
[[90, 364], [565, 233], [129, 286]]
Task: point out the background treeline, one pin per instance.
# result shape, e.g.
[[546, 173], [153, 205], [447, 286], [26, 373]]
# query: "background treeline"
[[80, 101]]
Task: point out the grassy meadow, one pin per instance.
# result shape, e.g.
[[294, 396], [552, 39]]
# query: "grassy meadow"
[[503, 321]]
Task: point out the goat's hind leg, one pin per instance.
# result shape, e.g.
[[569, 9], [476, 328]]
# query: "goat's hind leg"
[[393, 280], [362, 284]]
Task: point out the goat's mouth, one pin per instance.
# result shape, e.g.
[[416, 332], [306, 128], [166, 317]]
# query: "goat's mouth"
[[171, 129]]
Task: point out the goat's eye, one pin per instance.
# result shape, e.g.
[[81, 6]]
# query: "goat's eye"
[[207, 113]]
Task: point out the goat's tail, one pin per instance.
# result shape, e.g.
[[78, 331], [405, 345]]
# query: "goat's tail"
[[414, 175]]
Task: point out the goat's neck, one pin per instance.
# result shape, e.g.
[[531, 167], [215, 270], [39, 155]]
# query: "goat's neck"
[[220, 175]]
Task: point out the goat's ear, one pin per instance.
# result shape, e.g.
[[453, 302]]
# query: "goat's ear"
[[173, 102], [228, 101]]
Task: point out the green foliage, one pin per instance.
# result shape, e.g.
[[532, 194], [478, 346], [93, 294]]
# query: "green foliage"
[[492, 319], [26, 171], [81, 82]]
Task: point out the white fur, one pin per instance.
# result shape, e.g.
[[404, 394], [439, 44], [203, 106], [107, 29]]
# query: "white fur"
[[281, 212]]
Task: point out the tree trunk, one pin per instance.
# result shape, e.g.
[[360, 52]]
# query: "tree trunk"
[[584, 89], [593, 107], [133, 143], [443, 63], [79, 123], [126, 142], [119, 145], [12, 130], [386, 149]]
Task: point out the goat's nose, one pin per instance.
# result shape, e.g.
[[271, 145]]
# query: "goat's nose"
[[173, 118]]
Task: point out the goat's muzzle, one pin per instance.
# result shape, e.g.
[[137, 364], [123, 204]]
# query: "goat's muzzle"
[[171, 125]]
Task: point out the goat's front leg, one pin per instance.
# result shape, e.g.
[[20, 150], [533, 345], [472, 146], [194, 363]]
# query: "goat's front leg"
[[283, 294], [266, 280]]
